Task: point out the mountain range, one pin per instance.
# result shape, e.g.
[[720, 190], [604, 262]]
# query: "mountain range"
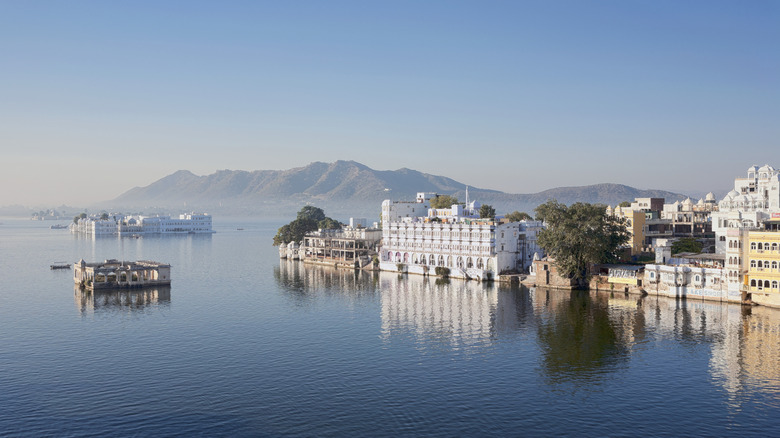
[[343, 189]]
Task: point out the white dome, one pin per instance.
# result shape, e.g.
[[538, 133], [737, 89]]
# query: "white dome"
[[710, 197], [752, 169], [687, 201], [701, 201], [732, 194], [766, 168]]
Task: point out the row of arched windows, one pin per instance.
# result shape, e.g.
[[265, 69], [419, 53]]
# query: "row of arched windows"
[[764, 264], [763, 284], [763, 246], [432, 260], [735, 244]]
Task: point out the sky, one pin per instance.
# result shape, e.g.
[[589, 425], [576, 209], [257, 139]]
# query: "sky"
[[520, 96]]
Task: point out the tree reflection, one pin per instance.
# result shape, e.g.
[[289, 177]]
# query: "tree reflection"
[[578, 339]]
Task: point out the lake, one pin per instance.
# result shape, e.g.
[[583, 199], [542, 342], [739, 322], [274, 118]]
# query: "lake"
[[245, 344]]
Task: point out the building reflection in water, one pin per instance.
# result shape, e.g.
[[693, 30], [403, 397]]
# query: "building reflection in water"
[[581, 336], [458, 313], [89, 302], [302, 282]]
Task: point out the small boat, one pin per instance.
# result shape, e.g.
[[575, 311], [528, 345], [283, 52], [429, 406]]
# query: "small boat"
[[58, 227], [60, 265], [240, 229]]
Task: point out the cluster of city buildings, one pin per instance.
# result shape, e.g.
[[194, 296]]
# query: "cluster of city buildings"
[[740, 237], [118, 225], [740, 232], [416, 238]]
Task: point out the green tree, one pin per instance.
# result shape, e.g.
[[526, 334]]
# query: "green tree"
[[580, 235], [517, 216], [79, 216], [311, 212], [487, 211], [624, 204], [104, 216], [329, 224], [308, 219], [443, 201], [686, 244]]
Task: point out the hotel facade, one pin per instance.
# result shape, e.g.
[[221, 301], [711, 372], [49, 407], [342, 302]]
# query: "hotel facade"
[[418, 239]]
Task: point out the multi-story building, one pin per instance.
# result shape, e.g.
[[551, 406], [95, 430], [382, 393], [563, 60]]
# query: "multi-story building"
[[755, 199], [351, 246], [643, 223], [190, 223], [762, 263], [689, 219], [418, 239]]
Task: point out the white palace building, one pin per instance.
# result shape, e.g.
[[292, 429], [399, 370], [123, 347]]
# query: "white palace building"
[[417, 239], [119, 225]]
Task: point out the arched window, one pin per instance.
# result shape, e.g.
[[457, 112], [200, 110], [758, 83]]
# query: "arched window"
[[774, 247], [774, 285], [774, 265], [760, 246], [752, 246], [469, 263], [479, 263], [766, 284], [752, 263], [752, 283], [432, 260], [759, 264]]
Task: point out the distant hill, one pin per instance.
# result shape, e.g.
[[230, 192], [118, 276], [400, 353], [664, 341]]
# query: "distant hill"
[[343, 189]]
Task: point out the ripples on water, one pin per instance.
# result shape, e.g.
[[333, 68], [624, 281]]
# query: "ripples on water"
[[242, 344]]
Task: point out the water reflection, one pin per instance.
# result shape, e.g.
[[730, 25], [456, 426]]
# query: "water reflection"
[[90, 302], [582, 337], [302, 282], [458, 313]]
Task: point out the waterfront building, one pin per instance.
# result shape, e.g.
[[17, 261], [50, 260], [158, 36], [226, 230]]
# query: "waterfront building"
[[762, 264], [694, 276], [189, 223], [753, 200], [351, 246], [113, 274], [419, 239]]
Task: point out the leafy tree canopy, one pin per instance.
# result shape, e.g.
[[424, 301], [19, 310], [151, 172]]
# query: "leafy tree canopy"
[[104, 216], [624, 204], [686, 244], [329, 224], [580, 235], [311, 212], [443, 201], [79, 216], [309, 219], [517, 216], [487, 211]]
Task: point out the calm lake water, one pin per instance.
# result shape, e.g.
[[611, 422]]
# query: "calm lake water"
[[243, 344]]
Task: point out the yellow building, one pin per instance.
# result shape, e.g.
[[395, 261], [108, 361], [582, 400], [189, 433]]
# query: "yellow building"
[[635, 224], [762, 264]]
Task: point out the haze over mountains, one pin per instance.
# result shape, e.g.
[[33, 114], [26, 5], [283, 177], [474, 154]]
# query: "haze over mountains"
[[343, 189]]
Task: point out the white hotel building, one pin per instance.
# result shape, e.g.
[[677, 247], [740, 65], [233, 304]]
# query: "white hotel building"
[[418, 239], [118, 225]]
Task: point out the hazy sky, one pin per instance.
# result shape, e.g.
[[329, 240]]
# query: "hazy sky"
[[520, 96]]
